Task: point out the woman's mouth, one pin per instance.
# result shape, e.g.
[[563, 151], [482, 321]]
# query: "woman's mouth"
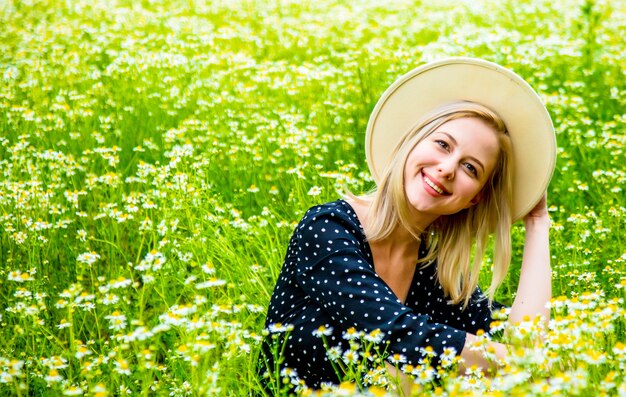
[[435, 186]]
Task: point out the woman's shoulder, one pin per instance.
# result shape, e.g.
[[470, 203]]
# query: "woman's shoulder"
[[338, 211], [330, 226]]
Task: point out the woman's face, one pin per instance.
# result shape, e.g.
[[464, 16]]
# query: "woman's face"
[[445, 172]]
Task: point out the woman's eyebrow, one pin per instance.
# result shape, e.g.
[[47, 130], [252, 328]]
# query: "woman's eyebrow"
[[449, 136], [456, 143]]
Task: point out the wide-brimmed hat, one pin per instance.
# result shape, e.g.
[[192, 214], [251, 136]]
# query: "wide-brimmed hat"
[[435, 84]]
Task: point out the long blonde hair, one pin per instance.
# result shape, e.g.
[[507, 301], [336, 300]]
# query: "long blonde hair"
[[450, 238]]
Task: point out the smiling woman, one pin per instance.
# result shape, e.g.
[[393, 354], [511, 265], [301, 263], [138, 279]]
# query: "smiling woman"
[[397, 262], [454, 163]]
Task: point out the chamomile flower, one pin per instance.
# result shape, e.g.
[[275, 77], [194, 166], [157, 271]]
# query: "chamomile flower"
[[73, 391], [88, 258], [280, 328], [397, 359], [323, 330], [315, 191], [376, 336]]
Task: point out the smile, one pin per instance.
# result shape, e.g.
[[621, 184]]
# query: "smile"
[[434, 186]]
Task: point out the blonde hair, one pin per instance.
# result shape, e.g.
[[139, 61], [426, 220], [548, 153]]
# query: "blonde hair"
[[450, 238]]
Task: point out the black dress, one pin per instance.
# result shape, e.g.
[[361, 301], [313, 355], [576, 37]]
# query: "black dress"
[[328, 278]]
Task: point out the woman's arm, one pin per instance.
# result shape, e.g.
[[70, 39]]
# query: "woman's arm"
[[535, 284], [534, 289]]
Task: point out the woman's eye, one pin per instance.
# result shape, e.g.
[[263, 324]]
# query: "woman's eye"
[[443, 144], [471, 168]]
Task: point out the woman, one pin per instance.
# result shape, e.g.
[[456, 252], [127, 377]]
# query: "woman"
[[459, 149]]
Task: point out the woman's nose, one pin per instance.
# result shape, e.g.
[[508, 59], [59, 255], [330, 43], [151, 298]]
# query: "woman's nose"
[[446, 169]]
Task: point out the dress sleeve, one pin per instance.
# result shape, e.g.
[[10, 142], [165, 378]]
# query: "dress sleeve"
[[334, 269], [479, 312]]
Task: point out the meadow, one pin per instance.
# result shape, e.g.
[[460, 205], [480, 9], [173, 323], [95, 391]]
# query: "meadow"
[[156, 155]]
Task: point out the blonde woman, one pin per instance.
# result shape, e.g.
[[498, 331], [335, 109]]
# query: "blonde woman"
[[459, 149]]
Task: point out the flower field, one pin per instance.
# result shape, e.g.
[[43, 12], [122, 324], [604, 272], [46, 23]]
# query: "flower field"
[[156, 155]]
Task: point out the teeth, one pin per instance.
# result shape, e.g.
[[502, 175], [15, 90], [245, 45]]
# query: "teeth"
[[431, 184]]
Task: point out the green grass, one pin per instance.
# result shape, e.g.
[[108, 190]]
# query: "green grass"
[[177, 143]]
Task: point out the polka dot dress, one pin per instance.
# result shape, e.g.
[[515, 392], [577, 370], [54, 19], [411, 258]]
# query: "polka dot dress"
[[328, 279]]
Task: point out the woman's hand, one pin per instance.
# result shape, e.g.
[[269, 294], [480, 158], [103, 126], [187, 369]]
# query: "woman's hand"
[[539, 211], [474, 357]]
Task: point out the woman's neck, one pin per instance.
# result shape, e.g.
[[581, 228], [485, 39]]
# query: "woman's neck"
[[400, 239]]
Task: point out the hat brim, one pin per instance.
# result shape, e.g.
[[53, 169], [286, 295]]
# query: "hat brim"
[[430, 86]]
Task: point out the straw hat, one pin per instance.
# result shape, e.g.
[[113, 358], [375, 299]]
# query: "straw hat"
[[427, 87]]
